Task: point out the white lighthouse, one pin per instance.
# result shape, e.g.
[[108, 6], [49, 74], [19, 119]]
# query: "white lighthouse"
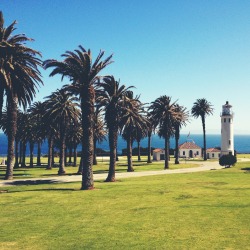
[[227, 133]]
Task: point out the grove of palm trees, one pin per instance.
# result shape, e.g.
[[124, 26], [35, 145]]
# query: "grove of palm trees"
[[90, 108]]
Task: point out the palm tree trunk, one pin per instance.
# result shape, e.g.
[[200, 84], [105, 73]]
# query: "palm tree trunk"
[[20, 150], [94, 157], [1, 100], [65, 154], [177, 137], [53, 155], [50, 152], [31, 154], [61, 170], [113, 134], [204, 138], [16, 154], [87, 106], [80, 166], [166, 153], [23, 164], [129, 154], [12, 125], [70, 154], [75, 155], [139, 150], [38, 154], [149, 148], [117, 158]]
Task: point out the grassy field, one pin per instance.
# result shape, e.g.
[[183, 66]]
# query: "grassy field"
[[102, 167], [208, 210]]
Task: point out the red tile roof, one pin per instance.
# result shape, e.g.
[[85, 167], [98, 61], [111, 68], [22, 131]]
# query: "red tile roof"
[[189, 145], [213, 150], [157, 150]]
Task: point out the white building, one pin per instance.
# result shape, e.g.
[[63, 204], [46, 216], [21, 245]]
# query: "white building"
[[213, 153], [190, 150], [158, 154], [227, 133]]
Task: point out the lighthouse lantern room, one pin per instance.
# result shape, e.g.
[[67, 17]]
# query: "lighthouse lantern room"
[[227, 133]]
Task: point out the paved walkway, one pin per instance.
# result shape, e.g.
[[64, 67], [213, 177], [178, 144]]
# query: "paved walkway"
[[204, 166]]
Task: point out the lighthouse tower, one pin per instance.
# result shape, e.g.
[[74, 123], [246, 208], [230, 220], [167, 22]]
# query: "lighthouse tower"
[[227, 133]]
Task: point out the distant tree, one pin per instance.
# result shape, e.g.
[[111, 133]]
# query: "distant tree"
[[37, 111], [132, 120], [149, 134], [99, 131], [227, 160], [111, 97], [61, 109], [180, 120], [202, 108], [163, 114]]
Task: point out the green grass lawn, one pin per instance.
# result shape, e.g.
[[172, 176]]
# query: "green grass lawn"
[[207, 210], [102, 167]]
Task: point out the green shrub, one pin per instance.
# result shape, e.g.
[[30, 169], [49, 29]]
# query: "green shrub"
[[227, 160]]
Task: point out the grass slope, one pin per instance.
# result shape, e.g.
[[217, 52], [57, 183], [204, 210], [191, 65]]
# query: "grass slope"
[[208, 210]]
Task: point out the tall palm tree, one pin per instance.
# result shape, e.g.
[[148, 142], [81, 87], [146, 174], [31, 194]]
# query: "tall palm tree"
[[163, 115], [83, 73], [180, 120], [202, 108], [19, 79], [111, 97], [61, 109], [132, 119]]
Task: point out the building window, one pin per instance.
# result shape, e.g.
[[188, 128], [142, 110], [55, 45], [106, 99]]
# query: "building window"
[[229, 120], [183, 152], [213, 155], [197, 152], [225, 119], [229, 142]]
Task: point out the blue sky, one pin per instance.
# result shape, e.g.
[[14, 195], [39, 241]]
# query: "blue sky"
[[185, 49]]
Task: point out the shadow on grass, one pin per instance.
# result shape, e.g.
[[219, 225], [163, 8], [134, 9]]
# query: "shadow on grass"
[[246, 169], [33, 182], [41, 189]]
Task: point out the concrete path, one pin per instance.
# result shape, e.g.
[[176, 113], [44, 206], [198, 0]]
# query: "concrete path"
[[204, 166]]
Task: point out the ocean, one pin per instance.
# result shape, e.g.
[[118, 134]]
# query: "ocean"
[[241, 143]]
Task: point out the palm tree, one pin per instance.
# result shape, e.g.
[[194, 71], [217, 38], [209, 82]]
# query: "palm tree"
[[149, 134], [163, 115], [19, 79], [180, 120], [202, 108], [78, 67], [37, 111], [30, 128], [61, 109], [140, 133], [24, 120], [99, 131], [132, 119], [111, 97]]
